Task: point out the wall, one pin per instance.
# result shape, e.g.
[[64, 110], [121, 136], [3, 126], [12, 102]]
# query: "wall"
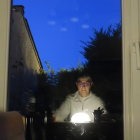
[[4, 49], [24, 62]]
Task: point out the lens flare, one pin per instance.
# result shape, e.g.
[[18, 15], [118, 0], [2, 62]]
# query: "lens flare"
[[80, 117]]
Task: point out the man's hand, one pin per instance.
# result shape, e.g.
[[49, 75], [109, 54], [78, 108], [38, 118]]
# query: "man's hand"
[[97, 114]]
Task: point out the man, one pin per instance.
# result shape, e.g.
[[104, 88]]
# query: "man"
[[83, 100]]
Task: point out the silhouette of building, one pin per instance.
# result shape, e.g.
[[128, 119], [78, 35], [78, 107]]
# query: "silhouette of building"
[[24, 62]]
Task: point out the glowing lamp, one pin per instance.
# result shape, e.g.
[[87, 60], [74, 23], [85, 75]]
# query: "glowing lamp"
[[80, 117]]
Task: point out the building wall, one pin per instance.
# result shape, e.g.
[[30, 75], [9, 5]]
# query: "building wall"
[[5, 6], [24, 62]]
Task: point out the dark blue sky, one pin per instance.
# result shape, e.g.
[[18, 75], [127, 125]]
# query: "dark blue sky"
[[59, 26]]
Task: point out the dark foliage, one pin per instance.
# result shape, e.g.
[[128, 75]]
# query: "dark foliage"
[[103, 53]]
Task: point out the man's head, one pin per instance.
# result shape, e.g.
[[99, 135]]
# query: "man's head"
[[84, 84]]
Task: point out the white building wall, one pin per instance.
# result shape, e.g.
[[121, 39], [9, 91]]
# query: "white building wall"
[[4, 49]]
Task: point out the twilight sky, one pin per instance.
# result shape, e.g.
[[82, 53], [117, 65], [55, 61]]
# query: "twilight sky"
[[59, 26]]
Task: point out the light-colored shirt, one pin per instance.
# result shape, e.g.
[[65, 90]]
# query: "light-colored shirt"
[[75, 103]]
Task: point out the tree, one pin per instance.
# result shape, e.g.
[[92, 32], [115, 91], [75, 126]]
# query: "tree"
[[104, 45], [103, 54]]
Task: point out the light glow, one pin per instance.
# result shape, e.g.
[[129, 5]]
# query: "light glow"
[[80, 117]]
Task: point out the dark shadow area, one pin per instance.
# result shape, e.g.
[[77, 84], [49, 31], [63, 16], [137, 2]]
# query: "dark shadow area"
[[96, 131]]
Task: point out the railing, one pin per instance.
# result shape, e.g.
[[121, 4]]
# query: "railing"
[[35, 127]]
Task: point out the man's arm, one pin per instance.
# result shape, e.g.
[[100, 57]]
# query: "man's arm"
[[62, 113]]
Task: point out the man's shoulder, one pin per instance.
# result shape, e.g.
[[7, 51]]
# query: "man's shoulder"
[[72, 96], [95, 97]]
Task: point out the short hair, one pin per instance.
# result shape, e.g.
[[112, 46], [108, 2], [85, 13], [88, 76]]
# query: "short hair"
[[84, 76]]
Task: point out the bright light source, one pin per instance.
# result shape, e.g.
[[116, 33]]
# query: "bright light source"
[[80, 117]]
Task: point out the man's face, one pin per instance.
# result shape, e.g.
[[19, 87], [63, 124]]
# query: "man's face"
[[84, 86]]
